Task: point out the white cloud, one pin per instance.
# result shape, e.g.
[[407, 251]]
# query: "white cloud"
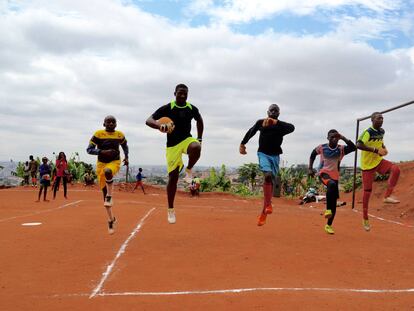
[[243, 11], [64, 72]]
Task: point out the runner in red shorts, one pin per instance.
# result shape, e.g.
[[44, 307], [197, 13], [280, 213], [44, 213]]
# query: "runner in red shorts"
[[371, 142]]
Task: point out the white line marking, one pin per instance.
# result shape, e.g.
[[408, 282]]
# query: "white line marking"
[[29, 224], [386, 220], [243, 290], [41, 212], [109, 268]]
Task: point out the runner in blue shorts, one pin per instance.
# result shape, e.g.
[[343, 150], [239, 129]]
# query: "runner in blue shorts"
[[272, 131]]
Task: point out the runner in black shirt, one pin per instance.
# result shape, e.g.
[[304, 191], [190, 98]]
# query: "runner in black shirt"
[[179, 140], [271, 137]]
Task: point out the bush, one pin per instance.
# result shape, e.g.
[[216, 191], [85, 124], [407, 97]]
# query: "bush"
[[216, 182], [348, 182], [243, 190]]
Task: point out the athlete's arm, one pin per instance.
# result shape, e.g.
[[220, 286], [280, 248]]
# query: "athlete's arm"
[[251, 132], [92, 149], [200, 128], [361, 146], [242, 149], [151, 122], [361, 143], [287, 128], [350, 146], [312, 158], [160, 112], [125, 148]]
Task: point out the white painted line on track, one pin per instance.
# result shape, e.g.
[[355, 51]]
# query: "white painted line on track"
[[31, 224], [41, 212], [279, 289], [386, 220], [109, 268]]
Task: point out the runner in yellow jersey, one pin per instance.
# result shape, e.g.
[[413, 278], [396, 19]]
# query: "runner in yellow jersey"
[[105, 144], [371, 142]]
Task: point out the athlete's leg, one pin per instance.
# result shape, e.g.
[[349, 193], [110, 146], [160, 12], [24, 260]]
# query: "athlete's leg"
[[388, 167], [109, 188], [193, 151], [367, 180], [104, 192], [172, 187], [267, 192], [331, 198]]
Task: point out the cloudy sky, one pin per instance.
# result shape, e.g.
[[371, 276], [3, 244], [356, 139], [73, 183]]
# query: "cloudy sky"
[[66, 64]]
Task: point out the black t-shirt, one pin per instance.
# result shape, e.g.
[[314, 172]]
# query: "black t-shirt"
[[271, 137], [181, 116]]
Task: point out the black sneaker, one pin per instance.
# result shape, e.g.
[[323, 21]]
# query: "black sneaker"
[[111, 226]]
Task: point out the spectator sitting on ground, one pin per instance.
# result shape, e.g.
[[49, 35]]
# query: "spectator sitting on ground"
[[88, 179], [195, 187]]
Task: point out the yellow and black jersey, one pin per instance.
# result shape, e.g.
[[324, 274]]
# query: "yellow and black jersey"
[[375, 139], [104, 140]]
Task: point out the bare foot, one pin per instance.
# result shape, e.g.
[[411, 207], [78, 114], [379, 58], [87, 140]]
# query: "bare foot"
[[37, 201], [45, 200]]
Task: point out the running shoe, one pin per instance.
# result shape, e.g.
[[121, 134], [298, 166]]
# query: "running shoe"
[[365, 223], [171, 216], [268, 209], [328, 214], [391, 200], [261, 219], [111, 226], [188, 176], [329, 229], [108, 201]]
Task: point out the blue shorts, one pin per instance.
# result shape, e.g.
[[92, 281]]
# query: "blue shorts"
[[269, 163]]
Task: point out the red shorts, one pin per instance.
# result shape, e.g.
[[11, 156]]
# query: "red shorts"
[[368, 176]]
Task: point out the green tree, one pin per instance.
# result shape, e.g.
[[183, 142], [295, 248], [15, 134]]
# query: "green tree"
[[248, 173]]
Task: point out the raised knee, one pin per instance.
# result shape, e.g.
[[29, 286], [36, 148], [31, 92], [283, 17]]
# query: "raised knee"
[[196, 147]]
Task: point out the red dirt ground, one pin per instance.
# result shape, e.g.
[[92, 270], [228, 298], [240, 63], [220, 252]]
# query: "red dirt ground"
[[288, 264]]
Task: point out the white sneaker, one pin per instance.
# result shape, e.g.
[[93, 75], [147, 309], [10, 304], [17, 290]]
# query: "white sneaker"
[[171, 216], [108, 201], [391, 200], [365, 223], [188, 176]]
